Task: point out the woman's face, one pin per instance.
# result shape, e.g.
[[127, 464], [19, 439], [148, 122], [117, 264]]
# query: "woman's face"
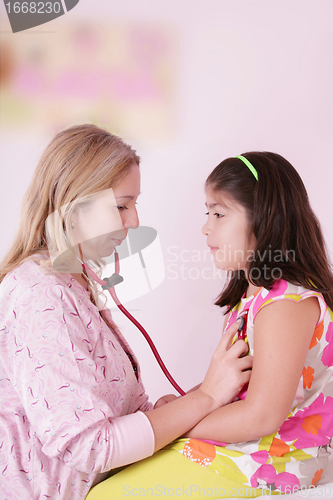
[[102, 222], [228, 231]]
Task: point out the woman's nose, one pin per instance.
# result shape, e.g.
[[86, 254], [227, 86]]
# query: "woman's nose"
[[132, 220]]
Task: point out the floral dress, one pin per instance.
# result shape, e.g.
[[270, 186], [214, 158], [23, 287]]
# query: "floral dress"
[[296, 455]]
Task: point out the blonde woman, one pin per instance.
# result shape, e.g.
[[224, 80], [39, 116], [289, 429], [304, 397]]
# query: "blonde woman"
[[72, 403]]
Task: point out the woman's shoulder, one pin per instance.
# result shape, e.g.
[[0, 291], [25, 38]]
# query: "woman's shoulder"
[[29, 273], [32, 275]]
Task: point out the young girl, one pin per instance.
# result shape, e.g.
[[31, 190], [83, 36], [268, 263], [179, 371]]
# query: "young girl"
[[275, 438], [72, 402]]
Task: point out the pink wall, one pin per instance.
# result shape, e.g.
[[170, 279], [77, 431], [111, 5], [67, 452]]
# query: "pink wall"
[[223, 77]]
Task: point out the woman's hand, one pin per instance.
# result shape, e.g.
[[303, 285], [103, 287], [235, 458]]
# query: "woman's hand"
[[165, 400], [282, 335], [228, 372], [225, 377], [234, 377]]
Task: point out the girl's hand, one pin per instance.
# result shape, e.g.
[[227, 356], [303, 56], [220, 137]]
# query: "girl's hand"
[[165, 400], [228, 372]]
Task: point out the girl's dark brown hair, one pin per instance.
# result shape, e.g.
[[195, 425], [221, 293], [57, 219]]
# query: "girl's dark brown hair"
[[289, 240]]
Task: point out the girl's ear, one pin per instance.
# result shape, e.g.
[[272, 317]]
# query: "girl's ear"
[[252, 240]]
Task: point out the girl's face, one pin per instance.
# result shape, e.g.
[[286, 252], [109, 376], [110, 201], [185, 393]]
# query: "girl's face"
[[228, 231], [102, 222]]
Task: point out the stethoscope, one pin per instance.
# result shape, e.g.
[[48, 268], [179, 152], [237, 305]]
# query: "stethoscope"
[[109, 284], [241, 335], [241, 332]]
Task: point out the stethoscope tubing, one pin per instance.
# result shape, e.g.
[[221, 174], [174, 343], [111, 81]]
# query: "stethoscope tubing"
[[133, 320]]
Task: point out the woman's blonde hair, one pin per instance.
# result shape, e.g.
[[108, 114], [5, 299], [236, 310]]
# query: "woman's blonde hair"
[[79, 162]]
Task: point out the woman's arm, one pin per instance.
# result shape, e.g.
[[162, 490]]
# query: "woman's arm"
[[282, 335], [54, 359], [224, 379]]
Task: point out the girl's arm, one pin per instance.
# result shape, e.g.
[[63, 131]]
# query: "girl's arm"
[[282, 335]]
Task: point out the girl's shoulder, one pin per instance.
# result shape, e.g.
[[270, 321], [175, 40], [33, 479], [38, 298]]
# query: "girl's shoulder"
[[283, 290]]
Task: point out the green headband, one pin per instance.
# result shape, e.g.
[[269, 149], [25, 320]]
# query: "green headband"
[[249, 165]]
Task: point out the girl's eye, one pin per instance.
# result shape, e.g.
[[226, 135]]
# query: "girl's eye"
[[218, 216]]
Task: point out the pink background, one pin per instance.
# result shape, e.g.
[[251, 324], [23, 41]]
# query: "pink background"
[[187, 84]]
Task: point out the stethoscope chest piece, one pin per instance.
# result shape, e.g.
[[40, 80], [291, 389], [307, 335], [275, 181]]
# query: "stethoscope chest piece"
[[241, 332]]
